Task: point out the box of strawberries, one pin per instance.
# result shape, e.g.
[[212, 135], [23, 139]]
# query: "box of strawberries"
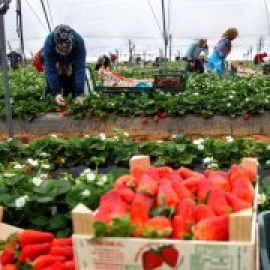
[[160, 218]]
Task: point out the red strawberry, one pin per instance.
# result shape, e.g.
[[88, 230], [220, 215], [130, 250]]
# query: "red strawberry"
[[155, 118], [166, 195], [62, 242], [164, 171], [186, 173], [220, 182], [158, 227], [137, 173], [29, 237], [7, 256], [127, 180], [180, 228], [153, 173], [10, 267], [213, 229], [66, 252], [209, 173], [236, 172], [31, 252], [70, 265], [151, 260], [56, 266], [218, 203], [203, 212], [204, 190], [192, 183], [169, 255], [126, 193], [186, 210], [236, 203], [175, 176], [181, 191], [139, 212], [162, 114], [244, 190], [46, 260], [147, 185]]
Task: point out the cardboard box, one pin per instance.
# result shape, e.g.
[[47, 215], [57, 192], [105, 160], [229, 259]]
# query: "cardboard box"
[[130, 253]]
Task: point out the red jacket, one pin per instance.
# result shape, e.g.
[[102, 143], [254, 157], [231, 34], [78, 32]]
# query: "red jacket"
[[259, 58]]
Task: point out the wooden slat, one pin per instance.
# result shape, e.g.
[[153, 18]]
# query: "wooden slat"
[[142, 162], [83, 220], [240, 226]]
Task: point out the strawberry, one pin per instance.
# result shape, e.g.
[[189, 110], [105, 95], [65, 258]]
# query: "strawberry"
[[209, 173], [186, 210], [126, 193], [139, 212], [151, 260], [66, 252], [56, 266], [70, 265], [180, 228], [164, 171], [203, 212], [192, 183], [7, 256], [127, 180], [158, 227], [213, 229], [244, 190], [219, 182], [170, 255], [204, 190], [29, 237], [153, 173], [236, 172], [137, 173], [186, 173], [62, 242], [155, 118], [31, 252], [46, 260], [10, 267], [218, 203], [167, 195], [147, 185], [175, 176], [236, 203], [181, 191]]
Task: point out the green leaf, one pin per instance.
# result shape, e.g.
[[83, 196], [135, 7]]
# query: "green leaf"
[[40, 221], [57, 222]]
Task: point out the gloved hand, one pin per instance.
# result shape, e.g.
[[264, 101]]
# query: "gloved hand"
[[79, 100], [60, 100]]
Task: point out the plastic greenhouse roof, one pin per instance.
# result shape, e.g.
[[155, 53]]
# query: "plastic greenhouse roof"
[[106, 25]]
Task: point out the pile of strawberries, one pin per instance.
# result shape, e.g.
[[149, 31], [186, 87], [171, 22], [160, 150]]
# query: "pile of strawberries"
[[179, 204], [38, 251]]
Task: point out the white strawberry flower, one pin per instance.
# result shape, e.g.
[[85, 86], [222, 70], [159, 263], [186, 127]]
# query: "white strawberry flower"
[[37, 181], [18, 166], [104, 178], [229, 139], [102, 136], [90, 177], [200, 147], [8, 175], [229, 104], [43, 154], [126, 134], [21, 201], [86, 193], [199, 141], [46, 166], [208, 160], [32, 162], [268, 147], [261, 198], [54, 136], [44, 175], [86, 136], [174, 136]]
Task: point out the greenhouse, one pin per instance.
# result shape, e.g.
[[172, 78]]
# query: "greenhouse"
[[134, 134]]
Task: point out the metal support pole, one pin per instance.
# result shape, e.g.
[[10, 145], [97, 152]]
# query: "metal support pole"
[[165, 36], [170, 46], [20, 28], [5, 76]]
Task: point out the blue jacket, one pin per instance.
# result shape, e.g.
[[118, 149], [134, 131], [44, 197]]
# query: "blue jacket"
[[76, 57], [194, 51]]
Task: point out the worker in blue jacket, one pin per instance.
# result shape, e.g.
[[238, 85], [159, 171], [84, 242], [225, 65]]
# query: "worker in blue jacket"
[[64, 58]]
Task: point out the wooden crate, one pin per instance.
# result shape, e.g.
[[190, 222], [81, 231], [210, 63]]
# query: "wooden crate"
[[128, 253]]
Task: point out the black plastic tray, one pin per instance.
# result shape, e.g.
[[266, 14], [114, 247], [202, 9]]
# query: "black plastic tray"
[[264, 239]]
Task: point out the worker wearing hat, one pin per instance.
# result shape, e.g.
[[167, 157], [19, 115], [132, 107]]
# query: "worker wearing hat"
[[64, 57]]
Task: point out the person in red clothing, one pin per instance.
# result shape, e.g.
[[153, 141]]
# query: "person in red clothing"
[[259, 58], [38, 61]]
